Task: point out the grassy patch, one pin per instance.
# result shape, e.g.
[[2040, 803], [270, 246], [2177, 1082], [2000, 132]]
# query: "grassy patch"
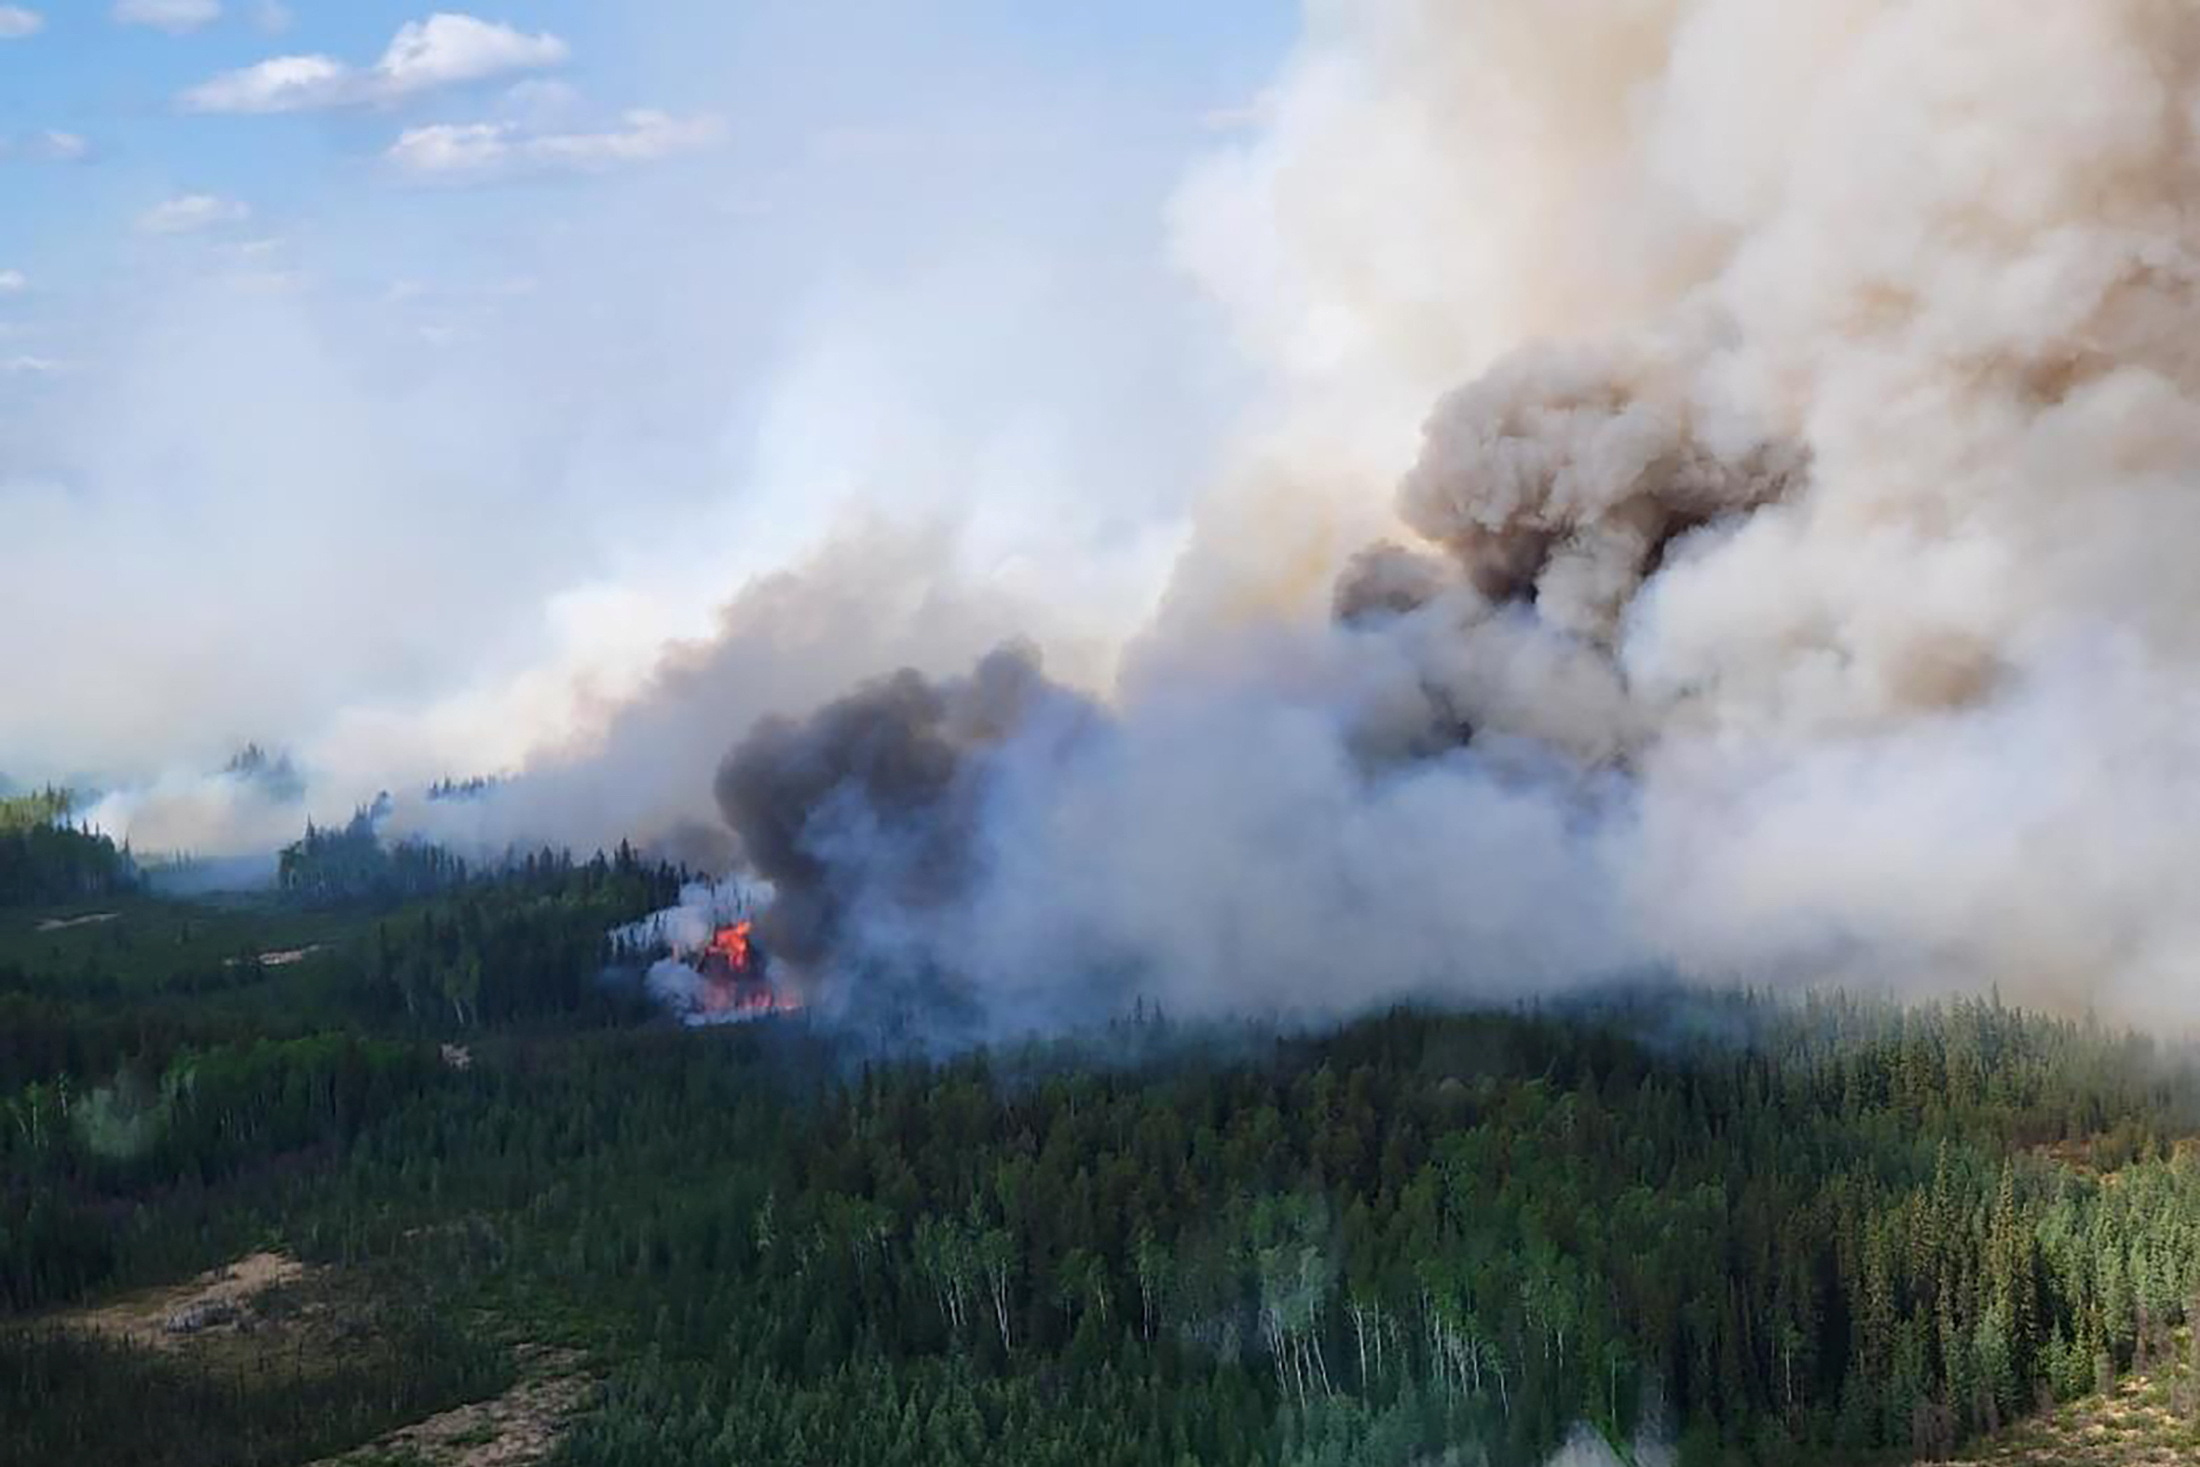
[[2149, 1420]]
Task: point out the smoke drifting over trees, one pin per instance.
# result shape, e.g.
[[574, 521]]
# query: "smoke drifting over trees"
[[1791, 582], [1724, 505]]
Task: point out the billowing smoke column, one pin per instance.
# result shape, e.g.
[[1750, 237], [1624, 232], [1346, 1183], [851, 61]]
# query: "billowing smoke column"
[[866, 816], [1794, 579], [1796, 585]]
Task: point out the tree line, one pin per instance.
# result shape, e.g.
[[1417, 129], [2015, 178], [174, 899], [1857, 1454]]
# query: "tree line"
[[47, 860]]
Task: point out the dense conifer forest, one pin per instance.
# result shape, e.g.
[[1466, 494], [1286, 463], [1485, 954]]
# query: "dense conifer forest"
[[1760, 1229], [45, 858]]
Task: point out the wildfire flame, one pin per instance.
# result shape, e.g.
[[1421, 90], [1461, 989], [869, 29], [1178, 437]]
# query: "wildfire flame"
[[733, 986], [732, 944]]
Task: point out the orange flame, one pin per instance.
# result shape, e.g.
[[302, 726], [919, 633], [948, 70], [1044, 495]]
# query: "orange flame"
[[734, 984], [732, 944]]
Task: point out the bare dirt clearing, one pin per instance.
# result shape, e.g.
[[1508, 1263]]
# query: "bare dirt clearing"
[[216, 1303], [269, 1312], [516, 1429]]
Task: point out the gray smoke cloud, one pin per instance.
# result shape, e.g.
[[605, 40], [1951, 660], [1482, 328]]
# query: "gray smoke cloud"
[[869, 800], [1790, 582], [874, 600]]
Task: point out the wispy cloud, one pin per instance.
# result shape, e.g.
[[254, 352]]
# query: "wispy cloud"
[[47, 147], [192, 213], [442, 51], [463, 152], [540, 102], [12, 281], [59, 147], [177, 17], [16, 22]]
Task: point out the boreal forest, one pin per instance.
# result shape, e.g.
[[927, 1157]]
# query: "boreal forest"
[[1711, 1227]]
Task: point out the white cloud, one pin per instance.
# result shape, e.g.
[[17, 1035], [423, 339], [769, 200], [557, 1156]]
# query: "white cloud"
[[272, 16], [12, 281], [16, 22], [464, 151], [446, 49], [285, 84], [47, 147], [442, 51], [453, 148], [177, 17], [191, 213], [60, 147], [25, 366]]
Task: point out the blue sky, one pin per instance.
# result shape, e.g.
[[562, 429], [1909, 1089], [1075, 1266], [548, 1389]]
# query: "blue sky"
[[809, 96], [364, 364]]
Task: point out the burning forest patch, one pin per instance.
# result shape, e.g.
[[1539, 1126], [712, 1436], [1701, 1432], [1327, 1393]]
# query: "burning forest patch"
[[705, 963]]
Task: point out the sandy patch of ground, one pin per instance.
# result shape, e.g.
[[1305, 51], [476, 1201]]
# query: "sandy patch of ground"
[[517, 1429], [63, 924], [216, 1303], [244, 1315]]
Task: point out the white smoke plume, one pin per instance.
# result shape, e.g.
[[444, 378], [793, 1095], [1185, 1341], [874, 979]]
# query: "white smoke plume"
[[173, 813], [704, 907], [1795, 580], [668, 942]]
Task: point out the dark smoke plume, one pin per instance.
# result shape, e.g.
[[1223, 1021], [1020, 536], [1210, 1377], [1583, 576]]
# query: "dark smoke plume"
[[873, 801]]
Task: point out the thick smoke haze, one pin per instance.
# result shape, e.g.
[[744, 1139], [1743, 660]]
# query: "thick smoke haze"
[[871, 601], [417, 483], [1721, 503], [1786, 580]]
